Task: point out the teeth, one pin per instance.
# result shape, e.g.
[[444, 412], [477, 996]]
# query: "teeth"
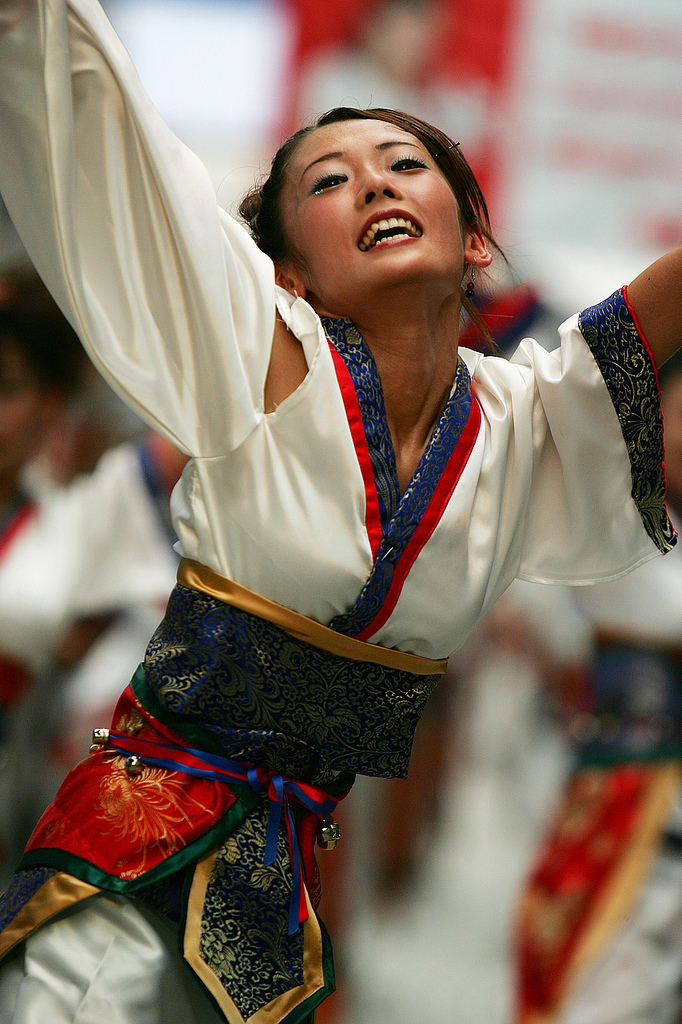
[[411, 230]]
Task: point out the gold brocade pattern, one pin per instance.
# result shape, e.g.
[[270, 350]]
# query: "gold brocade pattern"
[[630, 377], [244, 938], [270, 699]]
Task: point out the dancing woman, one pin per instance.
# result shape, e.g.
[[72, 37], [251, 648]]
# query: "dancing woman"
[[359, 492]]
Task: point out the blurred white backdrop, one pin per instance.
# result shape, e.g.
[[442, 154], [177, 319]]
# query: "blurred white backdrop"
[[217, 70]]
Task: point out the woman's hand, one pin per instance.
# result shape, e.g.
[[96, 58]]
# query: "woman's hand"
[[656, 297]]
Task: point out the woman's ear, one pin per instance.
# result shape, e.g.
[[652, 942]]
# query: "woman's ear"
[[476, 247], [289, 278]]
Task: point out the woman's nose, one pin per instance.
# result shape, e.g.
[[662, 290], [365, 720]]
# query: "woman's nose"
[[372, 194], [374, 183]]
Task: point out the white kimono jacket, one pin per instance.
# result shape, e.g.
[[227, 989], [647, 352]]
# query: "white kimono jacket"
[[176, 306]]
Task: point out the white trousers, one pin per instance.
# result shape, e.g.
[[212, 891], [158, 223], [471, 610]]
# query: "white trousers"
[[109, 962]]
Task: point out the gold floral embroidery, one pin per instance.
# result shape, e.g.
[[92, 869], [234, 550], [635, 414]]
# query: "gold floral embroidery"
[[142, 811], [131, 723]]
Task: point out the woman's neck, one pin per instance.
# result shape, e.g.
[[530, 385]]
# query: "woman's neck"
[[416, 356]]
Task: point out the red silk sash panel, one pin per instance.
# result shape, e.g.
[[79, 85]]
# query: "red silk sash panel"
[[123, 824]]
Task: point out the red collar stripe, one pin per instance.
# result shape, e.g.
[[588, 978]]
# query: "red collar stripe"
[[432, 516], [350, 401]]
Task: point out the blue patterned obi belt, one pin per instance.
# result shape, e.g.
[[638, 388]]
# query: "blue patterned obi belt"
[[225, 756]]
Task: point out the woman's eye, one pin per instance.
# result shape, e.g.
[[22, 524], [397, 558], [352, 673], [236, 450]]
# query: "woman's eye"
[[406, 163], [327, 181]]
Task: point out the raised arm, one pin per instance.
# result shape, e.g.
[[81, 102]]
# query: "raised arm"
[[172, 299], [656, 298]]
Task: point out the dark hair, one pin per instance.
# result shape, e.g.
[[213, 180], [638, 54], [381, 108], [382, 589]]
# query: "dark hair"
[[31, 320], [261, 206]]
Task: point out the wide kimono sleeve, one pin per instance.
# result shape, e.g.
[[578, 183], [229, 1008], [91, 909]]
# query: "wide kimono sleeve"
[[596, 506], [170, 296]]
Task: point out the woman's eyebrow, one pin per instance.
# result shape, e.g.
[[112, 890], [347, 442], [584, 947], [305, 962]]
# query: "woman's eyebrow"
[[396, 142], [381, 146], [319, 159]]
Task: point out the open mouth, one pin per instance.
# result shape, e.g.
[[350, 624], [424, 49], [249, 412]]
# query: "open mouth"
[[393, 228]]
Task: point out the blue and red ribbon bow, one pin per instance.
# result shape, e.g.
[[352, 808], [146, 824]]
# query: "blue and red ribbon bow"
[[279, 789]]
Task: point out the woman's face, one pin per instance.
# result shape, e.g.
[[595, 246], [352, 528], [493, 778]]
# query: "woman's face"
[[367, 208], [26, 410]]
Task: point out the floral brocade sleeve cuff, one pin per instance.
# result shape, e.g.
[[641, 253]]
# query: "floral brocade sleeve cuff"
[[613, 335]]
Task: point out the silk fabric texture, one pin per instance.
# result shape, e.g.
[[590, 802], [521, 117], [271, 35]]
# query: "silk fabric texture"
[[176, 306]]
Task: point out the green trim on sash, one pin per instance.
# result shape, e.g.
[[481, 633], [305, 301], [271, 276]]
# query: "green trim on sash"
[[245, 801]]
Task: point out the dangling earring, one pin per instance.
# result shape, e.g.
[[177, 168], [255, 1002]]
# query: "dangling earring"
[[296, 293], [471, 288]]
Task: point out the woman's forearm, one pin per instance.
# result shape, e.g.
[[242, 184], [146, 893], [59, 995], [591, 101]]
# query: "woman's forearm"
[[656, 297]]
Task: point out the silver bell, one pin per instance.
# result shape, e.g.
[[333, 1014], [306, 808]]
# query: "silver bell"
[[134, 764], [328, 836], [100, 737]]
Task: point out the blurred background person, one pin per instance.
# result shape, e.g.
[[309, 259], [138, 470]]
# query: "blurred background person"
[[86, 562], [600, 925]]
